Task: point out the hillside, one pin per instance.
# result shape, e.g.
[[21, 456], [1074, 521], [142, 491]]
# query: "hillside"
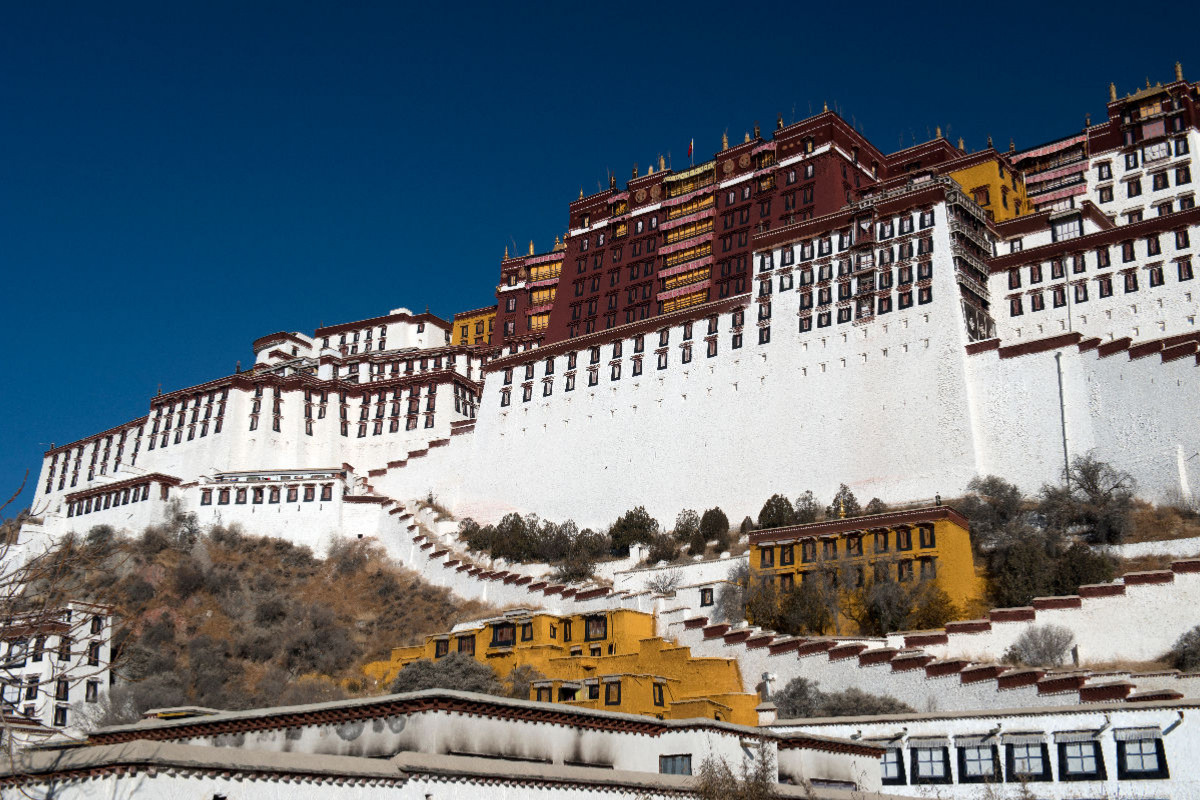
[[224, 619]]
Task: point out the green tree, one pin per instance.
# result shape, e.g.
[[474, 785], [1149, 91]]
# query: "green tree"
[[634, 526], [993, 506], [455, 671], [875, 506], [808, 608], [843, 501], [1079, 565], [1185, 655], [1022, 569], [807, 508], [854, 702], [715, 525], [776, 512], [687, 531], [931, 607]]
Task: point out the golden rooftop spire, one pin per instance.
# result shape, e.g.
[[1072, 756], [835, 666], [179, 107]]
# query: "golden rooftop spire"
[[747, 137], [1112, 92], [725, 140], [531, 247], [841, 508], [635, 169], [826, 105], [962, 145], [939, 132], [580, 192], [989, 141], [662, 163], [650, 170], [506, 252], [1178, 71], [779, 122]]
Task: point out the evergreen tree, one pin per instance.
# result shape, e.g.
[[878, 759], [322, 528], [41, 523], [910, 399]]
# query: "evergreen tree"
[[776, 512]]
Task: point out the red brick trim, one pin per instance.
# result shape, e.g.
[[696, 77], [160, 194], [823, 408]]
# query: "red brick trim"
[[716, 631], [776, 648], [1186, 565], [881, 655], [1114, 347], [903, 663], [974, 348], [926, 639], [984, 673], [939, 669], [695, 622], [1022, 614], [1156, 576], [1067, 601], [969, 626], [1061, 683], [1016, 678], [1041, 345], [1101, 589], [1105, 691], [848, 650]]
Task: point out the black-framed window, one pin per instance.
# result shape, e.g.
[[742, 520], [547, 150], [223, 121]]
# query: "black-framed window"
[[466, 645], [929, 765], [1081, 761], [1028, 761], [1141, 759], [893, 767], [979, 763], [706, 597], [766, 557], [659, 699], [787, 555], [526, 631], [595, 628], [612, 693]]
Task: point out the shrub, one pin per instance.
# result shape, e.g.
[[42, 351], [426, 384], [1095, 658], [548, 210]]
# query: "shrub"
[[875, 506], [662, 548], [808, 608], [1185, 655], [776, 512], [715, 525], [665, 582], [731, 599], [1041, 646], [802, 698], [455, 671], [992, 504], [932, 607], [1096, 497], [520, 679], [687, 526]]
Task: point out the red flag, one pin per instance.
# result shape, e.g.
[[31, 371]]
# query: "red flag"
[[691, 144]]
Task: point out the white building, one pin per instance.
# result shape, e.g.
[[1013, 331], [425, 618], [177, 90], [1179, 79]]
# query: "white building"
[[1100, 750], [56, 662], [435, 743]]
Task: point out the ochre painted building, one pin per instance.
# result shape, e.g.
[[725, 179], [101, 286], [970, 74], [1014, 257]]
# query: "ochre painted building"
[[989, 177], [473, 327], [610, 660], [913, 545]]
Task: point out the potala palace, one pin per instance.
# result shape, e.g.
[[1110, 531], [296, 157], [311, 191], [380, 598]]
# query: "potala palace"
[[799, 311]]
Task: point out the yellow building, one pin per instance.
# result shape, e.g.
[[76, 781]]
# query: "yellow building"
[[989, 178], [609, 660], [914, 545], [473, 327]]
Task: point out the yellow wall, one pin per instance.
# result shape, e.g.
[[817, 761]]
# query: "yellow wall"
[[950, 553], [576, 666], [474, 334], [1005, 188]]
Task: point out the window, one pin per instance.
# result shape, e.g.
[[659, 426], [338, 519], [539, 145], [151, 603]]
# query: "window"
[[60, 716], [766, 557], [657, 690], [1185, 269], [706, 597], [978, 764], [466, 645], [893, 767], [1131, 282], [612, 693], [1140, 759], [1133, 188], [1080, 760], [930, 765], [1156, 275], [675, 765], [1028, 761], [91, 692], [596, 627], [504, 634], [1106, 194], [1104, 169]]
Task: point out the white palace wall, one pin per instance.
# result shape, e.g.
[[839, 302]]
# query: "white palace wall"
[[881, 406]]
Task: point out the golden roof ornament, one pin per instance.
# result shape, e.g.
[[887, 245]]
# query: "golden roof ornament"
[[990, 146], [580, 192], [826, 105], [1012, 145], [1087, 120], [725, 140], [962, 145], [1112, 92], [531, 247], [779, 122], [757, 133], [506, 247], [635, 169], [747, 137], [650, 170], [841, 508], [662, 163], [939, 132], [1178, 71], [612, 182]]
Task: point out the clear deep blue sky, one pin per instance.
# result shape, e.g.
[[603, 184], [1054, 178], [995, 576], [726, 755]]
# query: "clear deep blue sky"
[[179, 178]]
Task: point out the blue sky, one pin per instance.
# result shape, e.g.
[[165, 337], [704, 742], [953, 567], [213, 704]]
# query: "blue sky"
[[180, 178]]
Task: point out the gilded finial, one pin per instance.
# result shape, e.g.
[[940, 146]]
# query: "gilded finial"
[[580, 192], [1012, 146], [1087, 120], [160, 385], [650, 170], [1178, 71], [747, 137], [662, 164], [1112, 93], [756, 131], [990, 142], [612, 182], [826, 105], [938, 135], [779, 122], [531, 247], [635, 169], [725, 140], [1147, 81], [841, 508], [962, 145]]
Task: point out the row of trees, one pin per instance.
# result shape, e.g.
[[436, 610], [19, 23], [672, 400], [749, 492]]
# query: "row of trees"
[[779, 511], [1042, 546], [836, 592]]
